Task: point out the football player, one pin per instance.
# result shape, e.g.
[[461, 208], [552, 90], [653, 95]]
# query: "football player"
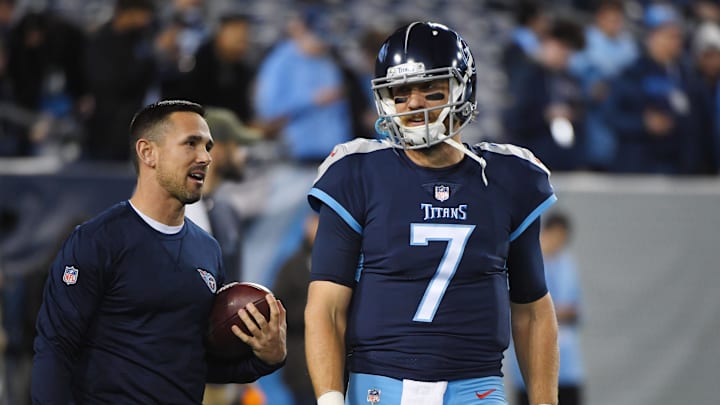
[[427, 252]]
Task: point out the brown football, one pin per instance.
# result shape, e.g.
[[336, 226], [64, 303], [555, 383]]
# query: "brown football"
[[221, 341]]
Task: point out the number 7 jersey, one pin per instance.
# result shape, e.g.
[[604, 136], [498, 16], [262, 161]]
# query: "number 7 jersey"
[[431, 299]]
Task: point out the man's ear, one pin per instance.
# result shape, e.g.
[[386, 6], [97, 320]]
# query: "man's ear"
[[146, 152]]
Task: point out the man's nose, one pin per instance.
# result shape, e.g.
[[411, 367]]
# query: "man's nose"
[[416, 99], [204, 156]]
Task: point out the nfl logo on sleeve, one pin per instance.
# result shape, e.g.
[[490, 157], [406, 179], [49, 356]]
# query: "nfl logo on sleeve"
[[70, 275]]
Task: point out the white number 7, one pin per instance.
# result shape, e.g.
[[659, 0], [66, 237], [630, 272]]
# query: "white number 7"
[[457, 237]]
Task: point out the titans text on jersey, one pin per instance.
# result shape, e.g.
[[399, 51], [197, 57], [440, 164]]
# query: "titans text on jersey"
[[432, 212]]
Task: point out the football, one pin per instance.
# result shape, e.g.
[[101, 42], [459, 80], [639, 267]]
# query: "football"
[[221, 341]]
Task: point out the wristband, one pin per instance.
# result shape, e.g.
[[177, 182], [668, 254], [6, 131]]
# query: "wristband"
[[331, 398]]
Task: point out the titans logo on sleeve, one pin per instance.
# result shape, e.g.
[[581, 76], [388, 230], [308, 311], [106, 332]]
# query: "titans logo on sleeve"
[[434, 248]]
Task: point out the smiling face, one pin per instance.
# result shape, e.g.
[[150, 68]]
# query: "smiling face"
[[183, 156], [419, 96]]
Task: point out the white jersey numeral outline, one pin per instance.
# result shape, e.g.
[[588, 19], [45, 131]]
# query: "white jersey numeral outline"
[[456, 237]]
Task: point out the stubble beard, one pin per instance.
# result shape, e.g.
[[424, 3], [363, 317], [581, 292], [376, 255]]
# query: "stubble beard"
[[178, 188]]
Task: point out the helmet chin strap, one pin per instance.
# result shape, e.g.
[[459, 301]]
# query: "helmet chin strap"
[[457, 145], [436, 130]]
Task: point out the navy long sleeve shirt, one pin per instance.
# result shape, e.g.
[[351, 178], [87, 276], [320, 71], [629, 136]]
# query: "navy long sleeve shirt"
[[124, 315]]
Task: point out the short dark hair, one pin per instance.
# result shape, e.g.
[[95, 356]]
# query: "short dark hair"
[[150, 116], [232, 18], [123, 5], [526, 11], [569, 33], [557, 219], [616, 5]]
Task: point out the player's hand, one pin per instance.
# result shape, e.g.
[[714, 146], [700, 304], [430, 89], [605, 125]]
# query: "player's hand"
[[658, 123], [268, 337]]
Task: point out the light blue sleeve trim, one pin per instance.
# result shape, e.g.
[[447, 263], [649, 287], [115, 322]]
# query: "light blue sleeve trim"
[[533, 216], [339, 209]]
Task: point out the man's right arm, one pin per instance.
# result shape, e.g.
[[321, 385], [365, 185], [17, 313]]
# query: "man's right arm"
[[334, 262], [70, 299], [325, 324]]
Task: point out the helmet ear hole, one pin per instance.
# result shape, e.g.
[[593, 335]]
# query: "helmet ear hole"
[[382, 127]]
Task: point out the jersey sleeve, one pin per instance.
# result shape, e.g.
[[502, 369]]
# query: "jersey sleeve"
[[336, 254], [532, 194], [526, 270], [339, 185], [70, 299], [524, 177], [338, 196]]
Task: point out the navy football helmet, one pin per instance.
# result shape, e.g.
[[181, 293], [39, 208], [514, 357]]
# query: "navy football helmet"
[[421, 52]]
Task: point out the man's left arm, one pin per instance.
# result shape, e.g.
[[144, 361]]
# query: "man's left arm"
[[534, 324], [534, 329]]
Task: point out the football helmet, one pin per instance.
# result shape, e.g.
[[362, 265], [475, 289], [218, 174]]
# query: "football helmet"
[[416, 53]]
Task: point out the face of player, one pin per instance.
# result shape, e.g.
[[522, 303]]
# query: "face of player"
[[419, 96], [184, 156]]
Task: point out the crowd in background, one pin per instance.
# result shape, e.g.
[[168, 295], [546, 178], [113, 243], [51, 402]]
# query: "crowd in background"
[[607, 86], [619, 86]]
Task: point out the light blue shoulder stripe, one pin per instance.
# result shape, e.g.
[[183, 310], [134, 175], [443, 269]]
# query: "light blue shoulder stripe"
[[533, 216], [337, 207]]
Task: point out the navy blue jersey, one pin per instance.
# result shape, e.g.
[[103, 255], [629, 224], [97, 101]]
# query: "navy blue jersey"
[[431, 298], [124, 315]]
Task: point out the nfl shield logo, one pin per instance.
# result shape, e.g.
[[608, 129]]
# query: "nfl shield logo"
[[70, 275], [442, 193], [373, 396], [209, 280]]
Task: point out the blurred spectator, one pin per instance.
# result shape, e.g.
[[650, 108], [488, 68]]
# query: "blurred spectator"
[[357, 89], [705, 11], [532, 24], [12, 126], [45, 55], [222, 73], [648, 108], [545, 111], [183, 31], [705, 99], [563, 284], [120, 70], [300, 84], [291, 287], [7, 13], [609, 48]]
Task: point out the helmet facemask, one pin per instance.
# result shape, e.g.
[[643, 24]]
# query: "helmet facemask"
[[458, 111]]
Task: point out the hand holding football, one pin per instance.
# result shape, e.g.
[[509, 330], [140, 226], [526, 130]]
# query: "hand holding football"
[[221, 341]]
